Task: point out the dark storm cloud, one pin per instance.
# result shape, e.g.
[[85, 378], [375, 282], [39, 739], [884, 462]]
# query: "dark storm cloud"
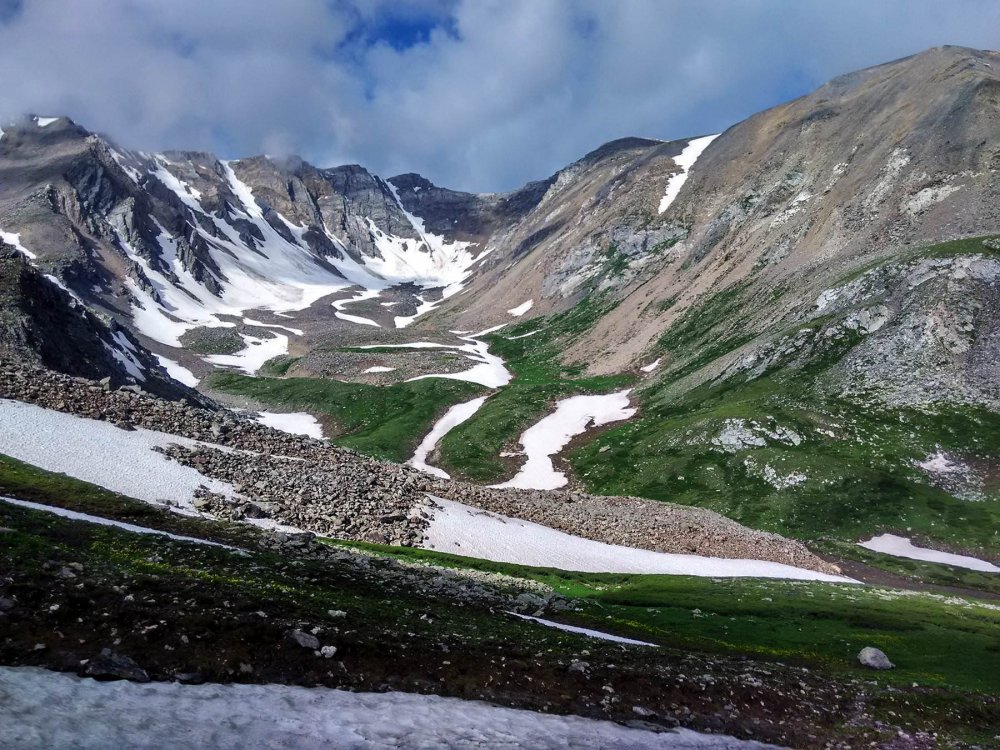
[[474, 94]]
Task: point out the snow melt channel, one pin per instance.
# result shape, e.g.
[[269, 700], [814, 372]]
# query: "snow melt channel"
[[572, 417], [472, 532], [452, 418]]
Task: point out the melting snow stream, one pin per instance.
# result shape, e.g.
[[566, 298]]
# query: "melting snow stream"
[[571, 417]]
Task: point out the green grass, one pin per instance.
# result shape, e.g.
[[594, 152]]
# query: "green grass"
[[823, 626], [471, 450], [383, 421], [859, 481], [946, 646], [967, 246], [279, 366], [917, 571]]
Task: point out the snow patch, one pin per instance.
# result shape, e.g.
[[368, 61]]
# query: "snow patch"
[[102, 454], [523, 335], [58, 282], [364, 294], [178, 372], [685, 160], [584, 631], [14, 238], [521, 309], [651, 366], [463, 530], [898, 546], [44, 122], [254, 355], [452, 418], [86, 517], [257, 323], [379, 368], [489, 370], [39, 708], [572, 416], [294, 423], [125, 354]]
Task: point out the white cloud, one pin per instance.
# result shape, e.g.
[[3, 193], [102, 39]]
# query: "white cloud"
[[499, 93]]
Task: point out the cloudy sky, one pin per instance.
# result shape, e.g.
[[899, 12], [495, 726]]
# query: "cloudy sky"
[[474, 94]]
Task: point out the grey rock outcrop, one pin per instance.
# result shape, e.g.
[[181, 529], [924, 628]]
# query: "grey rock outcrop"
[[874, 658]]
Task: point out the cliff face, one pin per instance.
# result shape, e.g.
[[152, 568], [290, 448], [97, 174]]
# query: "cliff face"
[[43, 324]]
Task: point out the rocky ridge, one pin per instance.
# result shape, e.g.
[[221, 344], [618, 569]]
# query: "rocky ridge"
[[43, 323]]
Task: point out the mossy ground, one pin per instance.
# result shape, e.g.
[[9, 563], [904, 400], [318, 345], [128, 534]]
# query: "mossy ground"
[[932, 638], [382, 421]]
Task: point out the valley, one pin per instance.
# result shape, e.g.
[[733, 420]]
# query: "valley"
[[657, 445]]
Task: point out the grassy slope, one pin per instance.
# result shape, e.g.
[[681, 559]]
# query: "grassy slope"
[[932, 640], [860, 481], [387, 422], [823, 626], [472, 450]]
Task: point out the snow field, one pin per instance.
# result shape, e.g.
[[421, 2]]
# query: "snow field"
[[278, 275], [463, 530], [102, 454], [39, 708]]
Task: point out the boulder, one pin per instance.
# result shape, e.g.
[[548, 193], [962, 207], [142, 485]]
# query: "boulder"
[[111, 666], [306, 640], [874, 658]]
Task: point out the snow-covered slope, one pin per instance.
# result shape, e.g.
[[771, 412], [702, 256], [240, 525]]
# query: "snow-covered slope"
[[173, 244], [463, 530]]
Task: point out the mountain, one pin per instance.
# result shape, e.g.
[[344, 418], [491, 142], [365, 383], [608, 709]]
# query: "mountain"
[[793, 198], [46, 325], [619, 444]]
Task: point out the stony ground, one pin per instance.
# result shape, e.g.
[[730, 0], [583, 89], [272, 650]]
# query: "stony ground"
[[314, 486], [105, 603]]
